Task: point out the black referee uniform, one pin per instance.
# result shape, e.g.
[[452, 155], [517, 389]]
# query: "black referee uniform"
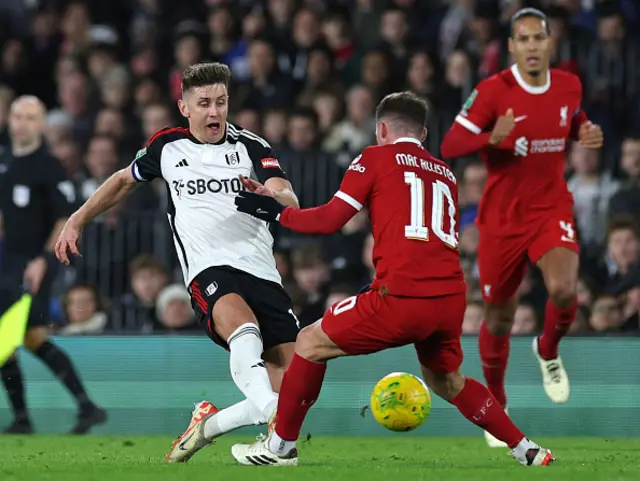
[[35, 194]]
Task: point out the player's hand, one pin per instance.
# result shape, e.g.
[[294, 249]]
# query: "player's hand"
[[590, 136], [34, 274], [68, 241], [259, 206], [503, 128], [255, 186]]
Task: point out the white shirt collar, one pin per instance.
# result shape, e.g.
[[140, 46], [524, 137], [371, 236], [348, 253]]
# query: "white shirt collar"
[[408, 139], [529, 88]]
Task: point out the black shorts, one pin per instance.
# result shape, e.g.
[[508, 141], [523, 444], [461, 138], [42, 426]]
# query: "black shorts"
[[12, 289], [268, 300]]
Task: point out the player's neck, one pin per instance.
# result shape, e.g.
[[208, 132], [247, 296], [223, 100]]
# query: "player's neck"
[[534, 80], [24, 150]]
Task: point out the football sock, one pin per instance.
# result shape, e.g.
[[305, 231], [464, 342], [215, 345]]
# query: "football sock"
[[556, 324], [494, 353], [301, 386], [248, 370], [479, 406], [236, 416], [63, 369], [12, 380]]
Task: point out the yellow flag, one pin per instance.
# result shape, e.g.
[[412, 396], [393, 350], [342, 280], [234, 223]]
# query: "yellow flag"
[[13, 325]]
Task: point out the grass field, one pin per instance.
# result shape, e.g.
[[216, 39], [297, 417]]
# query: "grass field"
[[65, 458]]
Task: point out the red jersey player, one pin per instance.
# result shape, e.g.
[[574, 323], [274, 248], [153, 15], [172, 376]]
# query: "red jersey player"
[[417, 296], [521, 120]]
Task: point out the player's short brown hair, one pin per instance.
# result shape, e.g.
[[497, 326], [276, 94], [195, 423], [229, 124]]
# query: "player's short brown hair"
[[404, 107], [200, 74], [623, 222]]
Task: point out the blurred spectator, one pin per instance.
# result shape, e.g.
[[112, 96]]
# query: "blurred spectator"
[[525, 321], [357, 130], [337, 293], [311, 274], [474, 178], [6, 97], [137, 310], [173, 309], [274, 128], [84, 310], [627, 200], [101, 162], [344, 252], [606, 315], [592, 189]]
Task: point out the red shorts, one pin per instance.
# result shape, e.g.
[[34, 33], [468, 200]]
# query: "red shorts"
[[369, 322], [502, 258]]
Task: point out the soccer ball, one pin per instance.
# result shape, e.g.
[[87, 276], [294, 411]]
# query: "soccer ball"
[[400, 401]]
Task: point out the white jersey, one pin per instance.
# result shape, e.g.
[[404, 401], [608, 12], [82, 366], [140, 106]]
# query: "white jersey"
[[202, 182]]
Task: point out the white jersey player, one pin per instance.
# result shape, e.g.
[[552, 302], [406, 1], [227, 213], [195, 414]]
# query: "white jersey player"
[[226, 257]]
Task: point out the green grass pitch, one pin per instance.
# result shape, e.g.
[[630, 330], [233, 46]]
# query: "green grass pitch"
[[396, 458]]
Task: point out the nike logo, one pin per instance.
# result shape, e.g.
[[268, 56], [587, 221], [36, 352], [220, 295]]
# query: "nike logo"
[[518, 119], [184, 441], [260, 211], [260, 364]]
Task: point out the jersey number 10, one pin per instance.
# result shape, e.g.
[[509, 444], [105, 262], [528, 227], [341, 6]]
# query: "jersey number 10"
[[441, 193]]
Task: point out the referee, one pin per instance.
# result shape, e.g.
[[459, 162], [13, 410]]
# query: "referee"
[[35, 200]]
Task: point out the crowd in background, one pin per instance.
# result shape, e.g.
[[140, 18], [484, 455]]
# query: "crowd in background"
[[307, 76]]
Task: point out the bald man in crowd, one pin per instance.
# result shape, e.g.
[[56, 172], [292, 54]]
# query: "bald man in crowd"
[[36, 197]]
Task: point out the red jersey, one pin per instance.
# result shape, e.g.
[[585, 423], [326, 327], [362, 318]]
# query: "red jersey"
[[412, 199], [526, 171]]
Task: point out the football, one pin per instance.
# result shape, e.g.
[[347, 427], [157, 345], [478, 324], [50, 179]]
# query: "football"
[[400, 401]]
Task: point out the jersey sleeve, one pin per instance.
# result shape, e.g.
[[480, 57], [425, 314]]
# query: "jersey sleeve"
[[357, 183], [146, 166], [263, 158], [478, 112], [60, 190], [578, 116]]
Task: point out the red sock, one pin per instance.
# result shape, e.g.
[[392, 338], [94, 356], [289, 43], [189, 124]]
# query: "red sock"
[[556, 324], [478, 405], [300, 388], [494, 353]]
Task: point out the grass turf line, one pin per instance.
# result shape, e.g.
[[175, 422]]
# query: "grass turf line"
[[68, 458]]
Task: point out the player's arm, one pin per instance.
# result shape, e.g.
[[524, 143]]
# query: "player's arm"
[[582, 129], [144, 168], [468, 134], [272, 181], [325, 219]]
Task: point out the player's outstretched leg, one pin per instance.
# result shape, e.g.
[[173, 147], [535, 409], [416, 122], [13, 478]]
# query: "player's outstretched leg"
[[300, 389], [560, 271], [494, 339], [13, 383], [476, 403], [89, 414], [208, 423]]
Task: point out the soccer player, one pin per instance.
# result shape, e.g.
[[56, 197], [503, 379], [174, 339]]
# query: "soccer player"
[[520, 121], [36, 199], [418, 293], [226, 257]]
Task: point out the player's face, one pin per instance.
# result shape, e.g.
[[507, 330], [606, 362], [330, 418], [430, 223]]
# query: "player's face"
[[206, 108], [26, 121], [530, 44]]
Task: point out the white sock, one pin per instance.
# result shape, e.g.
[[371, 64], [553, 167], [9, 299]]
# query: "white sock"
[[279, 446], [248, 369], [236, 416], [523, 446]]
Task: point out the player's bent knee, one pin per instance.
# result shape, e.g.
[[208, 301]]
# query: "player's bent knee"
[[229, 313], [314, 345], [562, 291], [499, 317], [446, 385]]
